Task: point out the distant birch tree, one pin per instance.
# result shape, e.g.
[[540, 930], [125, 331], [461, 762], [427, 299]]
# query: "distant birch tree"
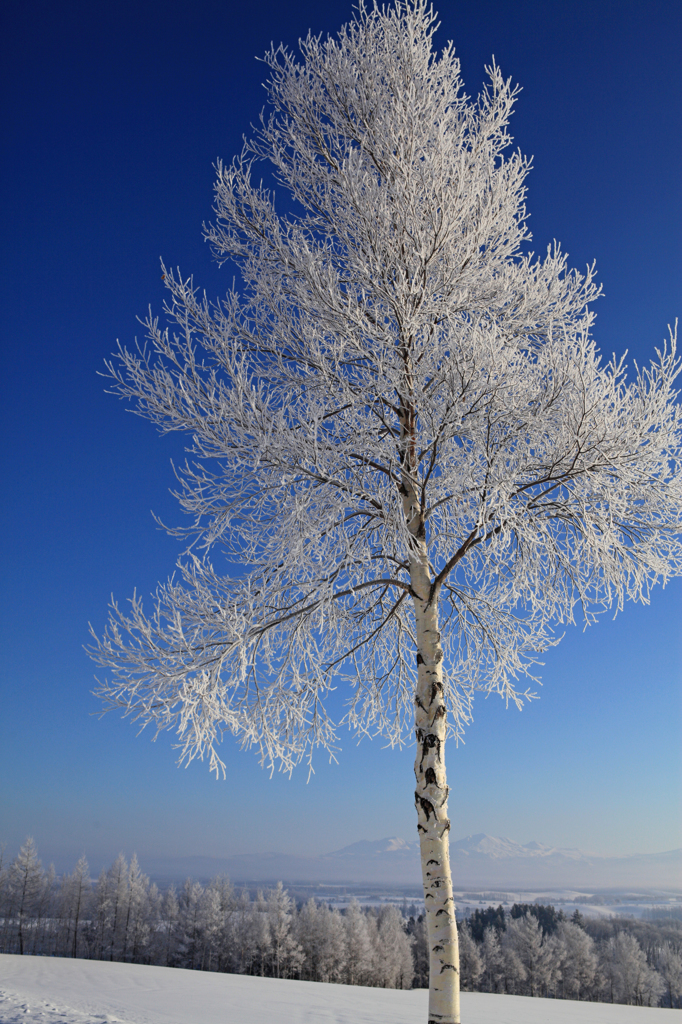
[[44, 926], [320, 934], [75, 897], [670, 967], [577, 960], [401, 431], [26, 883], [470, 961], [493, 961], [393, 963], [117, 891], [358, 947]]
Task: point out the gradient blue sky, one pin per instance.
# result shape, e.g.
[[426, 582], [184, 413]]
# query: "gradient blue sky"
[[114, 114]]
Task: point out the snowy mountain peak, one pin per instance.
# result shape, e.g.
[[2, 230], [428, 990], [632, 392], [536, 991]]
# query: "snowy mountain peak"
[[477, 860], [376, 848], [488, 846], [478, 845]]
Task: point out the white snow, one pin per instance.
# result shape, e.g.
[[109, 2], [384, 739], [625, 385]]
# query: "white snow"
[[58, 991]]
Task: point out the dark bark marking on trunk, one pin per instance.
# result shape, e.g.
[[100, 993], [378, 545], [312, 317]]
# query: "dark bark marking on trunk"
[[429, 742], [426, 806], [420, 660], [436, 688]]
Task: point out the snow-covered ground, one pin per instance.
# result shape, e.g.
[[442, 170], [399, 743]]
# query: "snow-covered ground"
[[56, 991]]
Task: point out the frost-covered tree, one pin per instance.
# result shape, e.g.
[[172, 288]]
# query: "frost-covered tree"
[[75, 896], [628, 977], [330, 952], [227, 907], [241, 935], [210, 925], [402, 435], [141, 913], [26, 883], [117, 905], [416, 929], [535, 952], [577, 959], [43, 933], [393, 964], [494, 973], [470, 961], [166, 936], [309, 938], [320, 934], [669, 965], [101, 907], [189, 948], [358, 946], [286, 953]]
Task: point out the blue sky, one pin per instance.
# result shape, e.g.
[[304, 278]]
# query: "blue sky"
[[114, 114]]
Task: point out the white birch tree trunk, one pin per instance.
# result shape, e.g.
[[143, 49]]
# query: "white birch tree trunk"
[[431, 799], [431, 792]]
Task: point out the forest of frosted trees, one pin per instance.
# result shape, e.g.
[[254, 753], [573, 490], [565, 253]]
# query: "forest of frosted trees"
[[528, 950]]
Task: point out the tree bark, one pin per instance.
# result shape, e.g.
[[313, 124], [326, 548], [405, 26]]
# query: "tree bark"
[[431, 799]]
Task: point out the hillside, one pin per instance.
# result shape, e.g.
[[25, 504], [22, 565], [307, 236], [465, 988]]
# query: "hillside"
[[56, 991]]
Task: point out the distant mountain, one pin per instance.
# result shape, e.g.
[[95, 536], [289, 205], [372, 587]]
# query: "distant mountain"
[[477, 861], [495, 848], [391, 850]]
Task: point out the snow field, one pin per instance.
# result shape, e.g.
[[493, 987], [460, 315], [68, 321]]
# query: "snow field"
[[50, 990]]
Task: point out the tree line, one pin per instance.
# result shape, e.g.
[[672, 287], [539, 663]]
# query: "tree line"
[[535, 950], [124, 917], [528, 950]]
